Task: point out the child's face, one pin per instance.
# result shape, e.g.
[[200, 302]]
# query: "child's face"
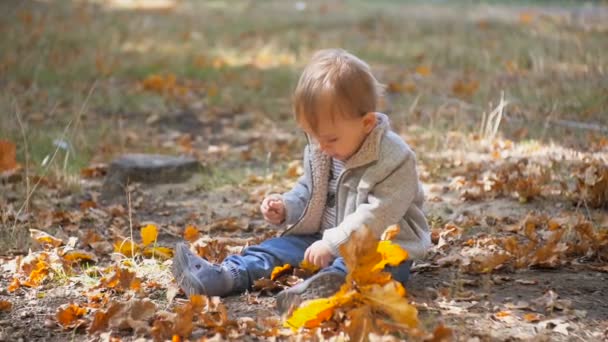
[[340, 137]]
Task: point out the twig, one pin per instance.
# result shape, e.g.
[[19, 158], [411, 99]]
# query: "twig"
[[27, 155]]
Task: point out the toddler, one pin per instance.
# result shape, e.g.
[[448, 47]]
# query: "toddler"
[[357, 172]]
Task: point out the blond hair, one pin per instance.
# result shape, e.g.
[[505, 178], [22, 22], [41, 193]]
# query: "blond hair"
[[336, 81]]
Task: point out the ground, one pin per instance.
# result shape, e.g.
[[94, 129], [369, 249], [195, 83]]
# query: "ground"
[[504, 103]]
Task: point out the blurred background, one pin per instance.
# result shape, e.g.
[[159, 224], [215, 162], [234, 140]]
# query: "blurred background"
[[96, 78]]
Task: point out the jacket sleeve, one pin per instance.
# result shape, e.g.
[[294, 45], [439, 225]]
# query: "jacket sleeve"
[[297, 198], [387, 202]]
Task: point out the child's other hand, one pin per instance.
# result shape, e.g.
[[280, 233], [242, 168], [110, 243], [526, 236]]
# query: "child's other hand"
[[273, 209], [319, 254]]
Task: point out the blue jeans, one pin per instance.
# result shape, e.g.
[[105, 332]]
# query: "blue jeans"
[[258, 261]]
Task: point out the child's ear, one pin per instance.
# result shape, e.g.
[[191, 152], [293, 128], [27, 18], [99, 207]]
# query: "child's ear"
[[369, 121]]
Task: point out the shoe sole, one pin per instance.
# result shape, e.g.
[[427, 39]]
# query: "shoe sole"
[[317, 288], [186, 280]]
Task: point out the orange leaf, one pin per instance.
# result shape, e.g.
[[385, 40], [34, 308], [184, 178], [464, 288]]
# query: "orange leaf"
[[14, 285], [39, 272], [8, 154], [5, 305], [279, 271], [69, 316], [191, 234], [149, 234], [423, 70], [77, 255], [502, 314], [532, 317]]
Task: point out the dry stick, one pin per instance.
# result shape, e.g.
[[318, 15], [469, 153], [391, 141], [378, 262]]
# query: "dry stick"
[[63, 134], [27, 155]]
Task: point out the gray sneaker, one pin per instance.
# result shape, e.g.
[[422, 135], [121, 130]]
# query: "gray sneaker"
[[196, 275], [321, 285]]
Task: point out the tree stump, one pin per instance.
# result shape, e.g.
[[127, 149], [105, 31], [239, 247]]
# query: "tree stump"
[[146, 168]]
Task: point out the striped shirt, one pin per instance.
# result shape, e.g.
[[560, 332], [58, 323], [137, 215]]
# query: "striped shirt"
[[329, 214]]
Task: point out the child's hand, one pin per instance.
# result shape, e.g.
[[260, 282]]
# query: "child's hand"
[[273, 209], [319, 254]]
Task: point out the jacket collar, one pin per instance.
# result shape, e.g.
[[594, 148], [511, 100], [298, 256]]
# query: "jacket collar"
[[370, 149]]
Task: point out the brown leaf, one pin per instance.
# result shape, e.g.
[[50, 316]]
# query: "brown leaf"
[[361, 324], [102, 318], [121, 280], [5, 305], [8, 154], [442, 334]]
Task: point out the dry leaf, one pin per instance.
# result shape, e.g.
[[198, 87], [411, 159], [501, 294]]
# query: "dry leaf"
[[5, 305], [121, 280], [70, 316], [149, 233], [78, 255], [442, 334], [423, 70], [158, 252], [8, 154], [532, 317], [127, 248], [44, 238], [191, 234]]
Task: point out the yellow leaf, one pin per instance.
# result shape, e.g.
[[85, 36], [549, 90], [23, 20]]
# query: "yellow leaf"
[[191, 234], [312, 314], [70, 316], [279, 271], [44, 238], [392, 255], [126, 248], [305, 265], [162, 252], [77, 255], [149, 234]]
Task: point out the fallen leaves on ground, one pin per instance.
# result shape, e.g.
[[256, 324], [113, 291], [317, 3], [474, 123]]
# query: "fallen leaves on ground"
[[536, 241]]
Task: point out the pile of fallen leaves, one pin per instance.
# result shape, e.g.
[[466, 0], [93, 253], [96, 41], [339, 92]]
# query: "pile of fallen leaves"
[[370, 301], [536, 241]]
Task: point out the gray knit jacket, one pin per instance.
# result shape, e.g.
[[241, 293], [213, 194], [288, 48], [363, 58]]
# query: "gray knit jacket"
[[379, 187]]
